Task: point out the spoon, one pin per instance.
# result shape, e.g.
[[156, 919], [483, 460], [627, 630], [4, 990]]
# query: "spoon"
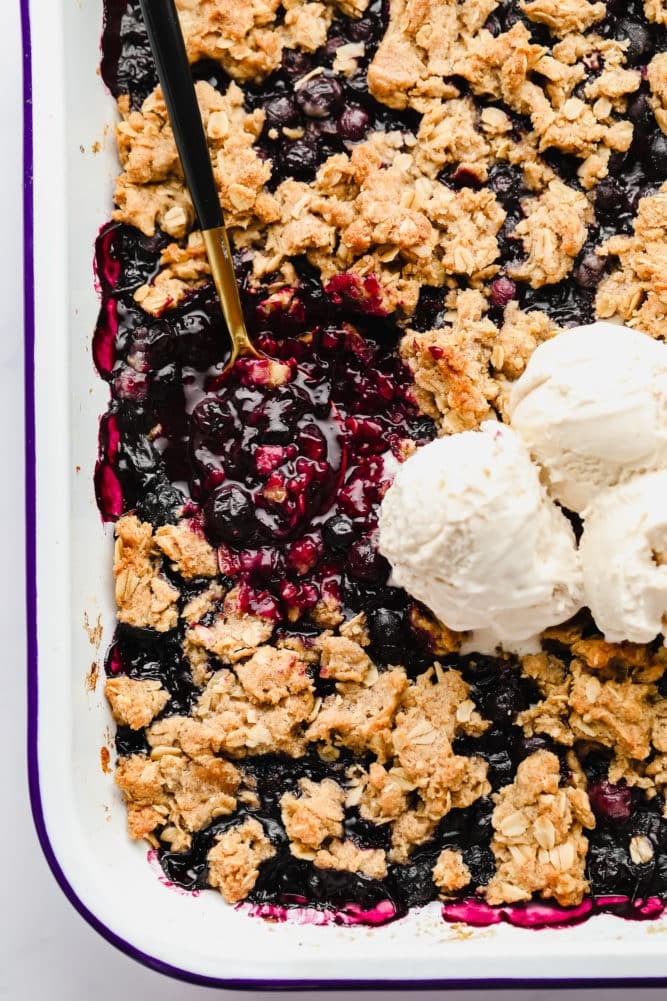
[[173, 69]]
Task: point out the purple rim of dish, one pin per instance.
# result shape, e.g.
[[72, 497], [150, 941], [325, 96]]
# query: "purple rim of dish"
[[32, 654]]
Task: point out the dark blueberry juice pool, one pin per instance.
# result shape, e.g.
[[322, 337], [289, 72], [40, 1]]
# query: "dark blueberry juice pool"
[[284, 461]]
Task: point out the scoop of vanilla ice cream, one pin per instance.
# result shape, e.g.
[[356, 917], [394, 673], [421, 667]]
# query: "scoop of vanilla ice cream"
[[623, 552], [592, 409], [470, 532]]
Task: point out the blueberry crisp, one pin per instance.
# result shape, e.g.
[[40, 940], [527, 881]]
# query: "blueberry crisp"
[[418, 193]]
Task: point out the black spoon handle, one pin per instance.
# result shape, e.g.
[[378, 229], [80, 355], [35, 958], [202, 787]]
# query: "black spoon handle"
[[173, 69]]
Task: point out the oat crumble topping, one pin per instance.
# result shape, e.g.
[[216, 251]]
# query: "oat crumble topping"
[[234, 860], [175, 793], [135, 703], [636, 292], [313, 817], [461, 371], [248, 38], [186, 547], [143, 595], [347, 857], [564, 16], [538, 842], [450, 872], [656, 10], [553, 232]]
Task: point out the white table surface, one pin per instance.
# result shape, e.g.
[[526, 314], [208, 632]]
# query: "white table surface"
[[47, 952]]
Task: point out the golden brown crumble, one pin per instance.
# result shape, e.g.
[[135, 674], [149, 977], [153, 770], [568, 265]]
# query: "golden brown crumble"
[[346, 60], [327, 614], [433, 711], [199, 660], [449, 132], [442, 640], [538, 840], [234, 860], [135, 703], [271, 675], [151, 168], [314, 816], [248, 38], [183, 268], [615, 713], [205, 603], [171, 790], [235, 725], [238, 724], [502, 67], [411, 737], [348, 857], [234, 635], [144, 597], [375, 211], [408, 726], [553, 232], [413, 828], [564, 16], [360, 717], [380, 794], [351, 8], [426, 42], [304, 647], [356, 629], [644, 663], [636, 292], [609, 698], [186, 548], [450, 872], [461, 370], [344, 660], [550, 715], [381, 210], [242, 37]]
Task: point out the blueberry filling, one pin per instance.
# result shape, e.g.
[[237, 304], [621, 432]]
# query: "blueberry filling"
[[286, 466]]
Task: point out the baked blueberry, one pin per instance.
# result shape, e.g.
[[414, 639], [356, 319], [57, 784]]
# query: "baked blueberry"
[[229, 515]]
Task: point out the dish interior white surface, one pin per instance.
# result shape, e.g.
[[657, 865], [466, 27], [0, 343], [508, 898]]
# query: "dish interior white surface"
[[84, 815]]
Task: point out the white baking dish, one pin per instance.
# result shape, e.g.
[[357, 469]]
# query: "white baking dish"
[[78, 811]]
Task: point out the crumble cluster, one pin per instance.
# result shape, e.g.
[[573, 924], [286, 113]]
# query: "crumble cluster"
[[538, 840], [462, 371], [248, 38], [427, 41], [636, 292]]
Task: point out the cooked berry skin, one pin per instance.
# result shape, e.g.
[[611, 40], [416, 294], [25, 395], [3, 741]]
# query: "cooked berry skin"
[[320, 96], [339, 532], [229, 515]]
